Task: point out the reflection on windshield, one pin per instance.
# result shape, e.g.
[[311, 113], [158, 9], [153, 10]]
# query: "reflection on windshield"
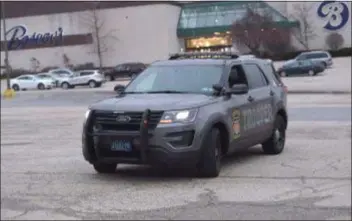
[[176, 79]]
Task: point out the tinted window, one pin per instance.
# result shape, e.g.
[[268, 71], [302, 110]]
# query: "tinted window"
[[190, 78], [270, 70], [24, 78], [306, 63], [255, 76], [317, 55], [85, 73]]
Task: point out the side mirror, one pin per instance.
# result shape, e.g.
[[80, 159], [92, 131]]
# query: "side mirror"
[[218, 87], [238, 89], [119, 88]]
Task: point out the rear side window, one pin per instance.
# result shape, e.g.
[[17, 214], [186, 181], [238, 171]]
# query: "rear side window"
[[85, 73], [317, 55], [270, 70], [255, 76]]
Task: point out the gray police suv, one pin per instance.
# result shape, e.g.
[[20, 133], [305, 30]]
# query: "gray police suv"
[[188, 111]]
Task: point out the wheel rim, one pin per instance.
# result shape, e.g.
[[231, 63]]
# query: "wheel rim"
[[311, 73], [108, 78], [65, 86], [91, 84], [41, 87], [283, 74], [218, 152], [279, 138]]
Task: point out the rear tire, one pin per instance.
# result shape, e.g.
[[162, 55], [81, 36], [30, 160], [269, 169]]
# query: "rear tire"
[[41, 86], [105, 167], [210, 162], [92, 84], [15, 87], [276, 143], [65, 85]]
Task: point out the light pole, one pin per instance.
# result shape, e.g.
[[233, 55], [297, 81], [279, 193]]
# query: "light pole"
[[7, 66]]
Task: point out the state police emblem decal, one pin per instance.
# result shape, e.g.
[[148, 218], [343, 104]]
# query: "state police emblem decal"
[[236, 124]]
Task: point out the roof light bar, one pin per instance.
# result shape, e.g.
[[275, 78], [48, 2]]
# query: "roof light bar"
[[204, 55]]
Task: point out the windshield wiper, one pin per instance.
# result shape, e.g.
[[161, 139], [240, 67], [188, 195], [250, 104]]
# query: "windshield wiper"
[[167, 92]]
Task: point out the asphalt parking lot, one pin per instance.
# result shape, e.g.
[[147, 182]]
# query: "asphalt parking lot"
[[44, 176]]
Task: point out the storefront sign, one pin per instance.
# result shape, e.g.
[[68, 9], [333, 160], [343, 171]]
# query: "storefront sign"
[[18, 37], [335, 13]]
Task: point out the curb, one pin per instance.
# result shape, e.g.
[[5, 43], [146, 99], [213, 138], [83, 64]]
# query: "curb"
[[318, 92]]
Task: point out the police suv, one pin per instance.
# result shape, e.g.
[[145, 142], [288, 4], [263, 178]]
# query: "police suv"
[[189, 111]]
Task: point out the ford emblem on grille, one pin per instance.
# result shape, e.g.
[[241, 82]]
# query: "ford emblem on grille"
[[123, 119]]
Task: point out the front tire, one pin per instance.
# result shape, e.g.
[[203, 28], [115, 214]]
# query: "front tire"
[[276, 143], [15, 87], [105, 167], [109, 78], [210, 162]]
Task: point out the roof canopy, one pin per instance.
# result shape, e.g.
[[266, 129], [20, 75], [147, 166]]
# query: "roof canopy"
[[205, 18]]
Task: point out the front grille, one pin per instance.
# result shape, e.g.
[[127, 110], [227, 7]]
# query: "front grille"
[[107, 120]]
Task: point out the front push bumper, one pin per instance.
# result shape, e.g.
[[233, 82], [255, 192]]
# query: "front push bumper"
[[176, 145]]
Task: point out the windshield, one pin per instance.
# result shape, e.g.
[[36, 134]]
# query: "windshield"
[[43, 76], [176, 79]]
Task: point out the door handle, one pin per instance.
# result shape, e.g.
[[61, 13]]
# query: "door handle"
[[250, 99], [272, 93]]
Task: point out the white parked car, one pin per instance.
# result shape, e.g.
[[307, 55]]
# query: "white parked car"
[[47, 76], [61, 75], [27, 82], [92, 78]]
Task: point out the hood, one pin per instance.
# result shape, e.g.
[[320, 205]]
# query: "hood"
[[46, 80], [140, 102], [289, 61]]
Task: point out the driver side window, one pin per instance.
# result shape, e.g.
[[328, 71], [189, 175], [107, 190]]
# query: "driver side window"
[[237, 76]]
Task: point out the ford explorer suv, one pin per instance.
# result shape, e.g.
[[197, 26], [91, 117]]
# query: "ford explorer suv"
[[189, 111]]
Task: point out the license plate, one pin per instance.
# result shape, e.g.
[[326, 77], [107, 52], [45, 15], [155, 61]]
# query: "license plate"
[[121, 145]]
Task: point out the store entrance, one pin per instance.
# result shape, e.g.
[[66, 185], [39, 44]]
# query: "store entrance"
[[207, 44]]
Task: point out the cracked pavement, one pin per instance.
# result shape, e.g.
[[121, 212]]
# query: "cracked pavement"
[[44, 176]]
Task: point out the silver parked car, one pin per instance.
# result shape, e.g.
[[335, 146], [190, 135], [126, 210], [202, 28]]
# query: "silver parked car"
[[92, 78]]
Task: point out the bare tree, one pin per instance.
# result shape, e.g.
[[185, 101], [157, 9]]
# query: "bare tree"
[[96, 23], [306, 32], [255, 31], [334, 41]]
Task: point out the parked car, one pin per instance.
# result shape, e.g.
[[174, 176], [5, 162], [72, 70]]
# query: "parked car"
[[323, 57], [60, 75], [47, 76], [125, 70], [301, 67], [92, 78], [25, 82]]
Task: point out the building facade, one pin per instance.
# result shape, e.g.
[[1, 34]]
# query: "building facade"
[[55, 35]]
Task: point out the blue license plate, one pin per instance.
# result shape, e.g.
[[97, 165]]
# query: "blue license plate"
[[121, 145]]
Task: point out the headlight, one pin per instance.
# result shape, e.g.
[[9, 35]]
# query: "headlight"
[[181, 116], [86, 114]]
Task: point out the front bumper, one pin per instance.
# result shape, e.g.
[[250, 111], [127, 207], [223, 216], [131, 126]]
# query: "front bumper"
[[172, 145]]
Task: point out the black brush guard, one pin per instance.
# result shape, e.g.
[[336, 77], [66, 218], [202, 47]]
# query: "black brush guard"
[[143, 134]]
